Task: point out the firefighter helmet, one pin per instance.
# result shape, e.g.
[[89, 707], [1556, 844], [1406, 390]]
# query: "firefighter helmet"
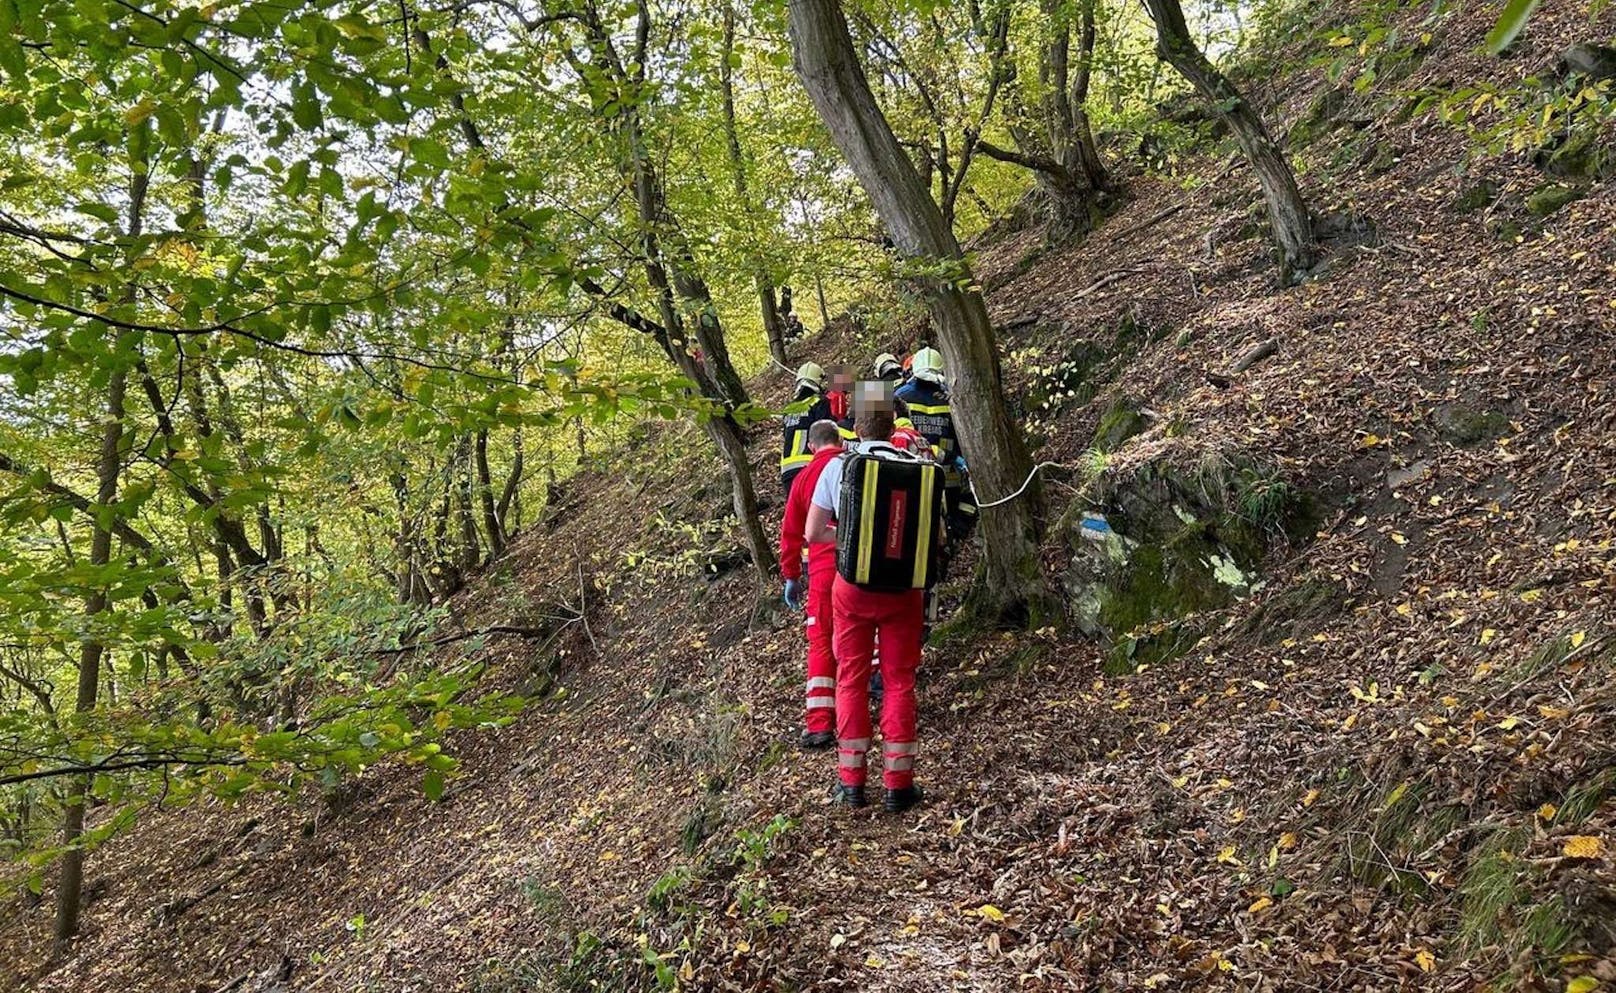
[[928, 365], [810, 374]]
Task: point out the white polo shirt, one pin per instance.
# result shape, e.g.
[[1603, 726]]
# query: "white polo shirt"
[[829, 488]]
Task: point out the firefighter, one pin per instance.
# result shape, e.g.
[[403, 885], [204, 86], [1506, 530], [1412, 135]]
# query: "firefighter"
[[926, 396], [888, 367], [860, 617], [819, 722], [794, 453]]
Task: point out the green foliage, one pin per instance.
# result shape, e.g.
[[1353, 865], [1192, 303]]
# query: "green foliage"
[[1510, 24]]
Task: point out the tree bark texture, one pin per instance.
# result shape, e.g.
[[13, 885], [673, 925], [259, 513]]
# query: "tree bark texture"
[[1287, 211], [1014, 586]]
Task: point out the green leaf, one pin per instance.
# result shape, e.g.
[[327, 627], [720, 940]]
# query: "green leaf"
[[1510, 22], [432, 785]]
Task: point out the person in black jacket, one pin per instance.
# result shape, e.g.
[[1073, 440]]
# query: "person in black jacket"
[[794, 453]]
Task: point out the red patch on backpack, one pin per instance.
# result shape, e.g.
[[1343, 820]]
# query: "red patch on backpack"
[[897, 517]]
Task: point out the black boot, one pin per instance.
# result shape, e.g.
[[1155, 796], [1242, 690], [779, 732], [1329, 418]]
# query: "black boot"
[[898, 801], [818, 741], [842, 795]]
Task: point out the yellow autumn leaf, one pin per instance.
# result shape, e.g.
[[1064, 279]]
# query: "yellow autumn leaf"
[[1488, 635], [1311, 797], [742, 946], [874, 962], [1531, 596], [1342, 41], [1368, 440], [1287, 841], [1227, 855], [1399, 538], [1425, 960], [1553, 713], [1547, 811], [1582, 984], [1577, 638], [989, 912], [1583, 846], [1261, 905]]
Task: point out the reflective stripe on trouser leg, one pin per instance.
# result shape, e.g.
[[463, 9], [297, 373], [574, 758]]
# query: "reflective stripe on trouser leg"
[[850, 754], [821, 692], [899, 756]]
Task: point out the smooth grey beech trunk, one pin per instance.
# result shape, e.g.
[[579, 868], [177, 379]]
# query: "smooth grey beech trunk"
[[1013, 587]]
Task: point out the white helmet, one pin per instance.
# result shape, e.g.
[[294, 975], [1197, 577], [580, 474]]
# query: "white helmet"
[[810, 374], [887, 366], [928, 365]]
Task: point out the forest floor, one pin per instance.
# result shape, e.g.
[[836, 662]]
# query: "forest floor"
[[1389, 765]]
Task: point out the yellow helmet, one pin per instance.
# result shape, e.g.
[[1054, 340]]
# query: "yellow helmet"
[[810, 374], [887, 366], [928, 365]]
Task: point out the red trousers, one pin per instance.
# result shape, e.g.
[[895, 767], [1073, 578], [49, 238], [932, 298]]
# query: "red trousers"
[[862, 617], [821, 700]]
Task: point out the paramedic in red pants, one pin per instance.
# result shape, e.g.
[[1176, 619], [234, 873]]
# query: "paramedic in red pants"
[[862, 616], [825, 442]]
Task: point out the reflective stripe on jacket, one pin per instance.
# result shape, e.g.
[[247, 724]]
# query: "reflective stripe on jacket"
[[794, 453]]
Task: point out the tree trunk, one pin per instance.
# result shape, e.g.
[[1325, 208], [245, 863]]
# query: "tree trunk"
[[1084, 154], [70, 885], [1287, 211], [492, 522], [1013, 586]]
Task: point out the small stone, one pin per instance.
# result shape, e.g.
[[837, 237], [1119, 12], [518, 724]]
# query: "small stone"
[[1465, 426]]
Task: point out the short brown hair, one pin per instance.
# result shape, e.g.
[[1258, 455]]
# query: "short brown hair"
[[874, 425], [823, 434]]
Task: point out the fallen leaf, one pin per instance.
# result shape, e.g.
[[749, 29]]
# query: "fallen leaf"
[[1547, 811], [1259, 906], [1583, 846], [1311, 798], [1582, 984], [989, 912], [1577, 638], [1425, 960]]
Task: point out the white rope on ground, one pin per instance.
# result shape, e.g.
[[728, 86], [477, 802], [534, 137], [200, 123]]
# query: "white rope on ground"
[[1024, 484]]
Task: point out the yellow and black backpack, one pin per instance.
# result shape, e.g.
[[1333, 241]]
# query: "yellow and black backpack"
[[889, 521]]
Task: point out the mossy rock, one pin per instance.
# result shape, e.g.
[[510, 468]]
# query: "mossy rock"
[[1476, 197], [1169, 548], [1581, 155], [1465, 426], [1121, 421], [1548, 200]]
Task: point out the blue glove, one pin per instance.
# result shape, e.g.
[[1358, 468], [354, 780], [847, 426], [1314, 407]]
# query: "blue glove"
[[794, 593]]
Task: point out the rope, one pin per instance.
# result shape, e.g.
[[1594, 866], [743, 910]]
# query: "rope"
[[1024, 484]]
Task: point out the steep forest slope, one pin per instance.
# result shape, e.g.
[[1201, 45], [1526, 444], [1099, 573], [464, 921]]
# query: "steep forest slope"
[[1336, 710]]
